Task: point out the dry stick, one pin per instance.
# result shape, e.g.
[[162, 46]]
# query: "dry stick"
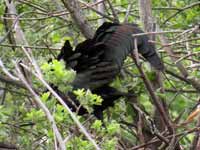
[[128, 12], [154, 97], [186, 56], [50, 16], [14, 91], [98, 12], [156, 132], [27, 51], [83, 130], [20, 37], [166, 8], [177, 76], [34, 5], [150, 89], [140, 123], [8, 146], [162, 138], [8, 25], [194, 66], [160, 32], [196, 140], [148, 22], [14, 23], [34, 47], [5, 70], [182, 9], [59, 13], [181, 91], [193, 81], [101, 8], [177, 57], [11, 81], [168, 137], [3, 93], [182, 41], [78, 17], [42, 106], [41, 18], [116, 19], [188, 31], [39, 76], [59, 8]]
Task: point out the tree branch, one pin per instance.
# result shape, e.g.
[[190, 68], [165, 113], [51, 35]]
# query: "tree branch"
[[78, 17]]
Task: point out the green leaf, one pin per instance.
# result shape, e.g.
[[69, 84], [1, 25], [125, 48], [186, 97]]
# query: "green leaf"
[[113, 128], [87, 99], [45, 96], [97, 125]]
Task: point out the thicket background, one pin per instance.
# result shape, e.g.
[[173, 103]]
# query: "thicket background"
[[162, 117]]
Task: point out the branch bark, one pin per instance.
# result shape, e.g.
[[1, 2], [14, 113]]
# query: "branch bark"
[[43, 107], [161, 115], [193, 81], [20, 39], [78, 17], [11, 81]]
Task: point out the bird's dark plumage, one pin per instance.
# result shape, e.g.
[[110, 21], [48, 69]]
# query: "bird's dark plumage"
[[104, 54], [119, 42]]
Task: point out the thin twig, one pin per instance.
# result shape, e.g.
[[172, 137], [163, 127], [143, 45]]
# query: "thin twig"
[[78, 17], [98, 12], [128, 12], [33, 47], [149, 87], [181, 10], [34, 5], [193, 80], [188, 55], [116, 19], [168, 137], [39, 75], [42, 106], [161, 32], [5, 70], [14, 23]]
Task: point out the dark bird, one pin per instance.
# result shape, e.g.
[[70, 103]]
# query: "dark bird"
[[98, 61]]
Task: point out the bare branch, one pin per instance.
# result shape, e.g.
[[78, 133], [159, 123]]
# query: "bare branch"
[[11, 81], [181, 10], [153, 141], [7, 72], [39, 75], [128, 12], [116, 19], [7, 146], [196, 141], [154, 97], [177, 76], [42, 106], [193, 81], [16, 19], [98, 12], [34, 5], [21, 39], [33, 47], [78, 17], [156, 32], [163, 119], [101, 8]]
